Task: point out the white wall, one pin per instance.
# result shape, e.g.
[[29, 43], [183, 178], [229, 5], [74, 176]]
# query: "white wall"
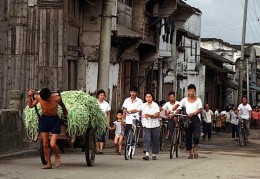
[[193, 24], [164, 47], [92, 77]]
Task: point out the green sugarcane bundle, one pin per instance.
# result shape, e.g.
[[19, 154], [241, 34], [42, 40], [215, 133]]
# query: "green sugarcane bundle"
[[83, 113]]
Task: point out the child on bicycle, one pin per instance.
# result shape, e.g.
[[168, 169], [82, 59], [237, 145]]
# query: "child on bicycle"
[[119, 131]]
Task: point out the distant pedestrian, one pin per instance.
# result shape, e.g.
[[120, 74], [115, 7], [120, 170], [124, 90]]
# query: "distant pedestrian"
[[234, 122], [227, 121], [255, 117], [207, 116], [245, 113], [218, 119]]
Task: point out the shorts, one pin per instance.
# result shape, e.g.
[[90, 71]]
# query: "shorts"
[[118, 135], [50, 124], [102, 138]]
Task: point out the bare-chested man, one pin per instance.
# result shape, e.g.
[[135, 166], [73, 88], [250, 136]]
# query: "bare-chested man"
[[49, 121]]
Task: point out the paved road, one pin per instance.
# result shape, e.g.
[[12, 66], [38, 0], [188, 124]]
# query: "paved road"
[[219, 158]]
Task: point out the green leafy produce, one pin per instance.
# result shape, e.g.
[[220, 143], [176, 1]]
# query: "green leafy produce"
[[83, 112]]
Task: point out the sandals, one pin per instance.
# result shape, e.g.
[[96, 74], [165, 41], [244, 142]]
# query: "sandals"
[[146, 158], [196, 155], [47, 167], [57, 163], [190, 157]]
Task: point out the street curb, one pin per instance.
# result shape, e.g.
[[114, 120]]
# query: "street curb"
[[20, 153]]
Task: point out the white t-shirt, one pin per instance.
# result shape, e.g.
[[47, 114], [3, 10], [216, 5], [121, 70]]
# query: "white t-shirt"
[[191, 107], [234, 119], [207, 116], [168, 106], [131, 105], [228, 117], [244, 111], [119, 127], [152, 109], [104, 106], [217, 114]]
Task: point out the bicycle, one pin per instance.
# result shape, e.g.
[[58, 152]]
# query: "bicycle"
[[242, 134], [132, 139], [164, 130], [177, 137]]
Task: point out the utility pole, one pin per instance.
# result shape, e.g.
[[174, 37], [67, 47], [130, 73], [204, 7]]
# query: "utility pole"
[[105, 45], [242, 54]]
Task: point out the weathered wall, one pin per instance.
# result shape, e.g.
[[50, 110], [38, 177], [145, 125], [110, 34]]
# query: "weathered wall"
[[11, 131], [39, 45]]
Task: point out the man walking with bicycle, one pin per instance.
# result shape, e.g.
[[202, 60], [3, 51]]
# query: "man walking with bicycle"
[[169, 108], [130, 106], [245, 113]]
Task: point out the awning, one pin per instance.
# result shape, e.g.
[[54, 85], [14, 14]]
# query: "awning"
[[187, 34], [256, 88], [123, 31], [231, 84], [207, 54], [228, 70], [209, 63]]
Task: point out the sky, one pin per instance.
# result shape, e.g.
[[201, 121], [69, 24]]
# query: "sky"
[[223, 19]]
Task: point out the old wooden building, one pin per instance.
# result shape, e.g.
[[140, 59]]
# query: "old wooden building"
[[55, 43], [39, 45]]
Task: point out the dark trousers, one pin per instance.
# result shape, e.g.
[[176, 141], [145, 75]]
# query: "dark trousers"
[[207, 130], [235, 130], [254, 124], [193, 132], [227, 127], [127, 128], [151, 139]]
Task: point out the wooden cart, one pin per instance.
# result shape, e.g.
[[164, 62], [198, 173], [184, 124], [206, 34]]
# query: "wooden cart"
[[86, 142]]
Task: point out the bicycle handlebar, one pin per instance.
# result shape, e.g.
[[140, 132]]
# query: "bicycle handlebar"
[[183, 115]]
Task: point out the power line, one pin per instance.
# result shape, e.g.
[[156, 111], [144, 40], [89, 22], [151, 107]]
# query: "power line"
[[224, 22], [255, 36]]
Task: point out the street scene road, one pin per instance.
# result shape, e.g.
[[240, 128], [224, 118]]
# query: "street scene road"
[[219, 158]]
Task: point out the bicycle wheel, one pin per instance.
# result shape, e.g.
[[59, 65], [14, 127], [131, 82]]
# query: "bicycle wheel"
[[90, 147], [178, 141], [241, 137], [128, 145], [161, 138], [135, 141], [245, 136], [172, 141]]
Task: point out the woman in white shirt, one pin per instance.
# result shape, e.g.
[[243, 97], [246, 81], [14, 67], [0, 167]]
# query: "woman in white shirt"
[[151, 126], [193, 106], [105, 107]]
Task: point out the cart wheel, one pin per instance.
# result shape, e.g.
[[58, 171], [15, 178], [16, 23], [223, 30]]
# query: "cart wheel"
[[90, 147], [43, 159]]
